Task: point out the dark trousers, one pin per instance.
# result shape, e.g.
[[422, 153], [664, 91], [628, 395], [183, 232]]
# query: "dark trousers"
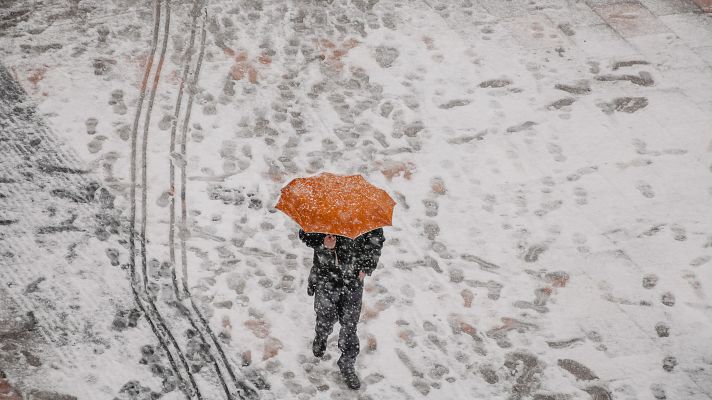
[[343, 305]]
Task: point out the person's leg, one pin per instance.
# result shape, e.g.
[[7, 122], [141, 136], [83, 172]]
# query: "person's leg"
[[349, 313], [326, 308]]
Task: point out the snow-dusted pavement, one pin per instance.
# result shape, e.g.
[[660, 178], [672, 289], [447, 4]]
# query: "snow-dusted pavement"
[[550, 160]]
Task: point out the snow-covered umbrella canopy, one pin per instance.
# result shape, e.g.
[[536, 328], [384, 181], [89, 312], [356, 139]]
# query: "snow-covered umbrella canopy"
[[345, 205]]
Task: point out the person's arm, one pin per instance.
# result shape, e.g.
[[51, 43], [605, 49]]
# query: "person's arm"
[[312, 240], [370, 250], [312, 281]]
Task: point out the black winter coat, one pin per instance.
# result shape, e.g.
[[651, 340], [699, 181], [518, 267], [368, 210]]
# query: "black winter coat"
[[341, 265]]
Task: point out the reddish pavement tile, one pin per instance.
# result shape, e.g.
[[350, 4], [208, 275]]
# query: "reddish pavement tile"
[[576, 14], [506, 9], [693, 28], [705, 53], [535, 32], [667, 7], [598, 3], [601, 41], [705, 5], [630, 19], [667, 52], [7, 392]]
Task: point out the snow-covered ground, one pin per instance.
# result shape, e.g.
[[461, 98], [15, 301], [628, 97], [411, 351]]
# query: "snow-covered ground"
[[550, 160]]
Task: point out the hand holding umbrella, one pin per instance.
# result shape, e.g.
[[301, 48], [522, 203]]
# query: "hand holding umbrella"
[[329, 241]]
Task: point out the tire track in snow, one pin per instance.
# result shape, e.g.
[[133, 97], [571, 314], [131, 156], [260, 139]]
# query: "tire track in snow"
[[172, 149], [134, 137], [243, 390], [144, 144], [158, 326]]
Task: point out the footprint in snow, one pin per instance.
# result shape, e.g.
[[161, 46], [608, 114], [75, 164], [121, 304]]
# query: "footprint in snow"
[[624, 104], [113, 255], [509, 324], [561, 103], [596, 337], [91, 124], [467, 297], [679, 232], [580, 87], [122, 130], [533, 253], [521, 127], [580, 371], [694, 282], [649, 281], [431, 229], [598, 393], [669, 363], [668, 299], [493, 288], [556, 151], [539, 303], [96, 144], [438, 342], [658, 391], [563, 344], [489, 374], [662, 329], [645, 189], [117, 102], [581, 196], [526, 370], [696, 262], [431, 207], [495, 83]]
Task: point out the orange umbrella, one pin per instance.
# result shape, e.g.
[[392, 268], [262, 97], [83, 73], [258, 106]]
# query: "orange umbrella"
[[344, 205]]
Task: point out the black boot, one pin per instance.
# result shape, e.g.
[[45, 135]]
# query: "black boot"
[[349, 373], [319, 346]]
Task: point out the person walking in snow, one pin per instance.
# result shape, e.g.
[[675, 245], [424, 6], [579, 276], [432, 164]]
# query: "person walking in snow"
[[341, 217], [336, 282]]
